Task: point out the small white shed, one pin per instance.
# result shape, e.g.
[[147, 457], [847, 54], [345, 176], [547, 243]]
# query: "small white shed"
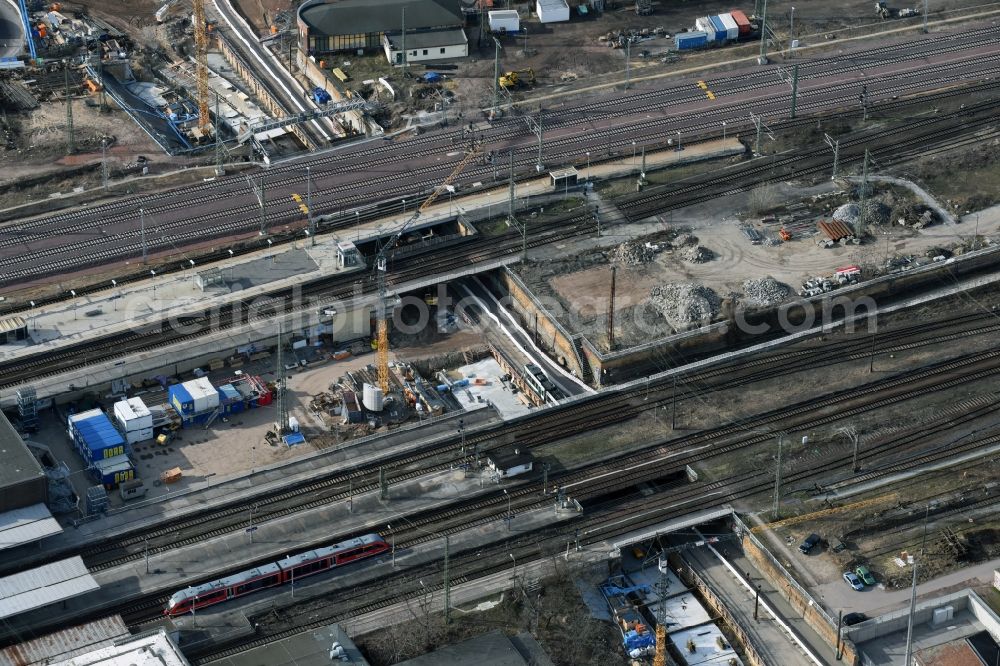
[[505, 20], [552, 11]]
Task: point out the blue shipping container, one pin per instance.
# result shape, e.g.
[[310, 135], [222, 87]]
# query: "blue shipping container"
[[690, 40], [96, 438], [181, 400], [113, 471], [721, 32]]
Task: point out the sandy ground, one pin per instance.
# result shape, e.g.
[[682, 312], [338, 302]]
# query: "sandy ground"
[[237, 446], [582, 282]]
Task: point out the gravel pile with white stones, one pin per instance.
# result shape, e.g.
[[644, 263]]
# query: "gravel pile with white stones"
[[765, 291], [698, 254], [632, 253], [685, 304]]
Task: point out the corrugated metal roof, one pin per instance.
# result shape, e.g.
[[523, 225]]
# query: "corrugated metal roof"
[[65, 644], [47, 584], [113, 464], [12, 324], [835, 229], [25, 525], [153, 647]]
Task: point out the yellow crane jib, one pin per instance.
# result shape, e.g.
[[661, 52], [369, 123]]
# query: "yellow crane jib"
[[381, 268]]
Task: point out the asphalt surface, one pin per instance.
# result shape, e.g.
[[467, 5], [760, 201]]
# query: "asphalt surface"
[[361, 174]]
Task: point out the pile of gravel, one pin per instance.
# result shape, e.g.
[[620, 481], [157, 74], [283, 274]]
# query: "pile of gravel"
[[765, 291], [876, 213], [848, 213], [683, 240], [632, 253], [698, 254], [685, 304]]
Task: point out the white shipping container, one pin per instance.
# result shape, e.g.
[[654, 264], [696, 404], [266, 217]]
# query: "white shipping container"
[[132, 414], [704, 24], [203, 394], [732, 29], [552, 11], [73, 418], [136, 436], [504, 19]]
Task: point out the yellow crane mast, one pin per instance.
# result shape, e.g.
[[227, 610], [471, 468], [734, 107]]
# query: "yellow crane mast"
[[201, 63], [381, 308]]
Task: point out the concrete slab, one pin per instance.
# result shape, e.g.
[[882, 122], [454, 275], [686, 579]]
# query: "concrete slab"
[[701, 645], [494, 390]]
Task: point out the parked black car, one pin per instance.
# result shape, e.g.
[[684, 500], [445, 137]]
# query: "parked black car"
[[854, 618], [809, 543]]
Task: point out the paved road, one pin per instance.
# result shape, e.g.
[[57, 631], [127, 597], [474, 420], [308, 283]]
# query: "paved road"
[[358, 175]]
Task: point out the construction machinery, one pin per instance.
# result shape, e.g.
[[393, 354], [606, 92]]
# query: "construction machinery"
[[201, 63], [517, 78], [881, 10], [381, 268]]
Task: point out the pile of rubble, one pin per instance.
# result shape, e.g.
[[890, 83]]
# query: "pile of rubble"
[[875, 213], [765, 291], [685, 304], [698, 254], [634, 253]]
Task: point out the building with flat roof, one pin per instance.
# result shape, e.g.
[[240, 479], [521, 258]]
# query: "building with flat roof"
[[22, 481], [66, 644], [48, 584], [320, 647], [151, 647], [434, 28]]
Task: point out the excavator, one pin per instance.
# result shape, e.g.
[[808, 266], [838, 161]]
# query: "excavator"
[[517, 78]]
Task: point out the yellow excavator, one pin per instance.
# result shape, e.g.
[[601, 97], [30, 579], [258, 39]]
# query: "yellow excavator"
[[517, 78]]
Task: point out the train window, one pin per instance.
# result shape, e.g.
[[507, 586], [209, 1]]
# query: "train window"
[[212, 597], [256, 584], [312, 567]]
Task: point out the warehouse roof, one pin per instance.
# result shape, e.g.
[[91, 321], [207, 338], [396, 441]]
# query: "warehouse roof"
[[45, 585], [152, 647], [18, 463], [26, 525], [428, 39], [356, 17], [66, 643]]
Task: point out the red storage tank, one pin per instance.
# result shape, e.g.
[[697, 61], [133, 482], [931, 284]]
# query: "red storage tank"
[[741, 21]]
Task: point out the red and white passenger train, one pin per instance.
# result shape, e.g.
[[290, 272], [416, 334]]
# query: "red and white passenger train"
[[274, 574]]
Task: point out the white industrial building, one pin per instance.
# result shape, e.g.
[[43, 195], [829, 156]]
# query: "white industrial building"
[[504, 20], [552, 11], [151, 647], [506, 462], [134, 420], [424, 46]]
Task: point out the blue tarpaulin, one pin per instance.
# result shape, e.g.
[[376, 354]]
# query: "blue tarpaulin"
[[432, 77]]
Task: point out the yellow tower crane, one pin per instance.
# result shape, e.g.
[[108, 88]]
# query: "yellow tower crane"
[[381, 308], [201, 63]]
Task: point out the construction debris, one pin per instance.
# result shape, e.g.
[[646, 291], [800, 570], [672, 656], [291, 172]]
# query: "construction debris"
[[765, 291], [698, 254], [634, 253], [685, 304]]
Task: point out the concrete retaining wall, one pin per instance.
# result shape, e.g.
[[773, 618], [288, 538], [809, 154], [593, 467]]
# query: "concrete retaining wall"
[[800, 600]]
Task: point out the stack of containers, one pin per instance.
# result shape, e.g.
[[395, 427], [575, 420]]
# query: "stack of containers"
[[134, 419], [732, 29], [194, 400], [102, 447], [230, 400], [690, 40], [704, 24], [721, 33], [742, 22]]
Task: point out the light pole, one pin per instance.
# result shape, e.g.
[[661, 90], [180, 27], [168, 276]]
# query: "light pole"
[[679, 148], [723, 130], [392, 537], [145, 552], [508, 508], [514, 572], [588, 177], [633, 155], [791, 27]]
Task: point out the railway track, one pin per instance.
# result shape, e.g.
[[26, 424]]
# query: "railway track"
[[929, 134], [501, 132]]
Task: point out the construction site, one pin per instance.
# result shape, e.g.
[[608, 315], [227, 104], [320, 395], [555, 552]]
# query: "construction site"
[[557, 332]]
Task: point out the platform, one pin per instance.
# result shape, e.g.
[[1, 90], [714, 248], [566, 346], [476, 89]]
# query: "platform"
[[49, 584], [26, 525]]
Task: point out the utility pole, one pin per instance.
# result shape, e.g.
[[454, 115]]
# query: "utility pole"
[[219, 170], [863, 99], [496, 79], [263, 207], [835, 145], [758, 123], [402, 41], [860, 231], [282, 423], [795, 87], [913, 596], [925, 29], [852, 434], [70, 139], [777, 478], [383, 484], [611, 312], [142, 235], [104, 163], [309, 205], [628, 61], [447, 581], [762, 58]]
